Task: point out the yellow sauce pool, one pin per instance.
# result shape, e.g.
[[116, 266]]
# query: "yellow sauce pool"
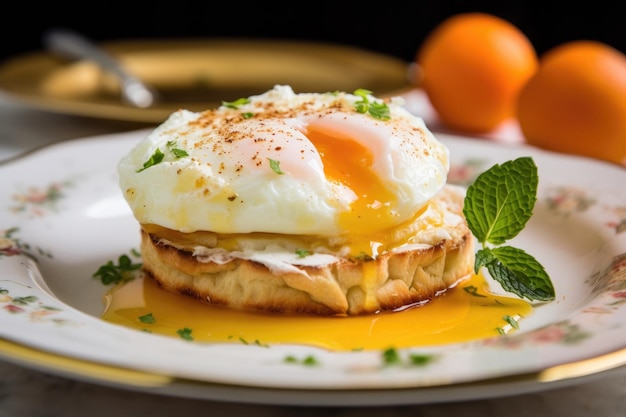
[[467, 312]]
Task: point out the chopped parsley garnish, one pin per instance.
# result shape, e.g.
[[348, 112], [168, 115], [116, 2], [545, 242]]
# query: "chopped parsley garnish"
[[497, 207], [147, 319], [124, 271], [420, 360], [256, 342], [236, 104], [303, 253], [275, 165], [512, 321], [309, 360], [376, 109], [178, 153], [470, 289], [391, 356], [158, 155], [156, 158], [185, 333], [379, 111]]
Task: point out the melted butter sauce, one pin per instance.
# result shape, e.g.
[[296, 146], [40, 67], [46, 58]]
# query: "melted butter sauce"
[[466, 312]]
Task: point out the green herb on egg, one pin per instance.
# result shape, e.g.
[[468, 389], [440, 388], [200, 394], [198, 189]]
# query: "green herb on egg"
[[377, 110], [155, 158], [178, 153], [236, 104], [158, 155], [275, 165]]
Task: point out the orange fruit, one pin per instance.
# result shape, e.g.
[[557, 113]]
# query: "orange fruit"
[[576, 101], [473, 66]]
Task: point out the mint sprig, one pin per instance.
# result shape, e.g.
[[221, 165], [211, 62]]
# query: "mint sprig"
[[497, 207]]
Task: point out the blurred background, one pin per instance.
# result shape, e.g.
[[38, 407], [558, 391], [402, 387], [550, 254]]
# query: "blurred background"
[[394, 28]]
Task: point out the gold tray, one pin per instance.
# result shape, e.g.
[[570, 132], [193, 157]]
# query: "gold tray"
[[196, 75]]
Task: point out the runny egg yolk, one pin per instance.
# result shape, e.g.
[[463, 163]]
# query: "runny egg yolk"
[[464, 313], [348, 162]]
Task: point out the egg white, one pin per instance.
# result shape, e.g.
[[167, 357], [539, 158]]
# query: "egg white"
[[226, 182]]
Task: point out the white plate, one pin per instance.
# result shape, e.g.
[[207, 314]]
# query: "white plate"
[[62, 216]]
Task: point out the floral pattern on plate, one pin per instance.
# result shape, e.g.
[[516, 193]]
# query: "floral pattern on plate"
[[56, 230]]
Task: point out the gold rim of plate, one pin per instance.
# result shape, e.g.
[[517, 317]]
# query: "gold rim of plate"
[[126, 377], [196, 75]]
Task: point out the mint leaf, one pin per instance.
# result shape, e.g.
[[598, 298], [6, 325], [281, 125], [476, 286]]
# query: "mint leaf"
[[497, 207], [501, 200], [517, 271]]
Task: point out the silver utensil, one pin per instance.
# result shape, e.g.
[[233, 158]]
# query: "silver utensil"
[[74, 45]]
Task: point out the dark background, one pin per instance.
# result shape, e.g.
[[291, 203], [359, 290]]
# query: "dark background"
[[392, 27]]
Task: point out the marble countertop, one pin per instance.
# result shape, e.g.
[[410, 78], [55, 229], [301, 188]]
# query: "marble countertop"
[[26, 391]]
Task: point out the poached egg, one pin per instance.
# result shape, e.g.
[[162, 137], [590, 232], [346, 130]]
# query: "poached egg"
[[337, 167]]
